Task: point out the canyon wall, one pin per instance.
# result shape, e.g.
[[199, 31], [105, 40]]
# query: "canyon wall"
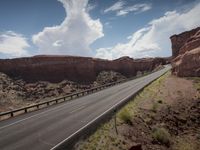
[[186, 53], [78, 69]]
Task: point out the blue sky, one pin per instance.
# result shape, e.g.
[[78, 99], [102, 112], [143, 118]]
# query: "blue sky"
[[98, 28]]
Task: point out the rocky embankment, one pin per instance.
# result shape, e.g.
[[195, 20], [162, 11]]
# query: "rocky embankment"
[[186, 53], [78, 69], [15, 93]]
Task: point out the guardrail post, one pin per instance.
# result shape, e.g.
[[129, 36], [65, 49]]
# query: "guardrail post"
[[115, 120], [25, 110], [11, 114]]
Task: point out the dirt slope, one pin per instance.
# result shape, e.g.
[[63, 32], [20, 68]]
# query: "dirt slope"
[[164, 116]]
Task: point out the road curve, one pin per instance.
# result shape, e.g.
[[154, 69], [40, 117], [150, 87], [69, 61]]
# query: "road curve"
[[45, 128]]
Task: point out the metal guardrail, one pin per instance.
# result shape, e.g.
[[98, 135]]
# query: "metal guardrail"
[[66, 98], [60, 99]]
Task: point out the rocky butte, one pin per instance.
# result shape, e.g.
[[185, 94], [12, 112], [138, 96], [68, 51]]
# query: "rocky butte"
[[186, 53], [78, 69]]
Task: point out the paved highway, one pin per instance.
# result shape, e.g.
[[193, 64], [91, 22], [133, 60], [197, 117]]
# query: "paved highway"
[[45, 128]]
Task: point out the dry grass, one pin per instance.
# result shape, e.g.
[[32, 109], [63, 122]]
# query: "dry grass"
[[161, 135], [125, 116]]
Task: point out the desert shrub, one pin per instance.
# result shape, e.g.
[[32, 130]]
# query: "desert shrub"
[[161, 135], [125, 116]]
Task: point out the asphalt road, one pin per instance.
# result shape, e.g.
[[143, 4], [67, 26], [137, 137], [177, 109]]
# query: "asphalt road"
[[45, 128]]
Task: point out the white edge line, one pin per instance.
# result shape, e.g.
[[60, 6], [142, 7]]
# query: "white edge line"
[[90, 122], [100, 115]]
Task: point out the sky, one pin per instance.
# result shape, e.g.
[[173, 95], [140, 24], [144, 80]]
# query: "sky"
[[106, 29]]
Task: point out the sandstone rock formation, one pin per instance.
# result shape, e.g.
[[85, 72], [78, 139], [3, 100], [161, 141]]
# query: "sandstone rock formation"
[[186, 53], [78, 69], [180, 41]]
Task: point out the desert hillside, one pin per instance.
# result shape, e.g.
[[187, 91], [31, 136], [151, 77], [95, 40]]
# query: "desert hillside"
[[16, 93]]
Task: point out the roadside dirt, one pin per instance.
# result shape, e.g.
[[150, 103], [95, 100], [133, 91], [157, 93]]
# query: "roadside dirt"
[[164, 116]]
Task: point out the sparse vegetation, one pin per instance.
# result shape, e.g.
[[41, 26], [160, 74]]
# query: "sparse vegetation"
[[161, 135], [125, 116]]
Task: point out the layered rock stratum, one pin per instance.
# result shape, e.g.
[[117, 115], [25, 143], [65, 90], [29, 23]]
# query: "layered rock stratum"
[[186, 53], [78, 69]]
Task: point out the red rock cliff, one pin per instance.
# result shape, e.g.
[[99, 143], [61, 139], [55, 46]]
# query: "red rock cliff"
[[79, 69], [186, 53], [178, 41]]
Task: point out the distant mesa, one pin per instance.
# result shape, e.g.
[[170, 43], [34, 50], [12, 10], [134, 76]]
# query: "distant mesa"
[[55, 68], [186, 53]]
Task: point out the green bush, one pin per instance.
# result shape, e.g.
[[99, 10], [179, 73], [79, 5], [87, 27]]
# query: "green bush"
[[161, 135], [125, 116]]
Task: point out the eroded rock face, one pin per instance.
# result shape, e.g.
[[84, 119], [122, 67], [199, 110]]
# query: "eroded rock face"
[[186, 53], [78, 69], [180, 42]]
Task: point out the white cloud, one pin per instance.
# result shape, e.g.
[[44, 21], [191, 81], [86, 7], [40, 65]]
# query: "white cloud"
[[13, 44], [121, 9], [90, 7], [74, 35], [115, 7], [153, 40], [138, 8]]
